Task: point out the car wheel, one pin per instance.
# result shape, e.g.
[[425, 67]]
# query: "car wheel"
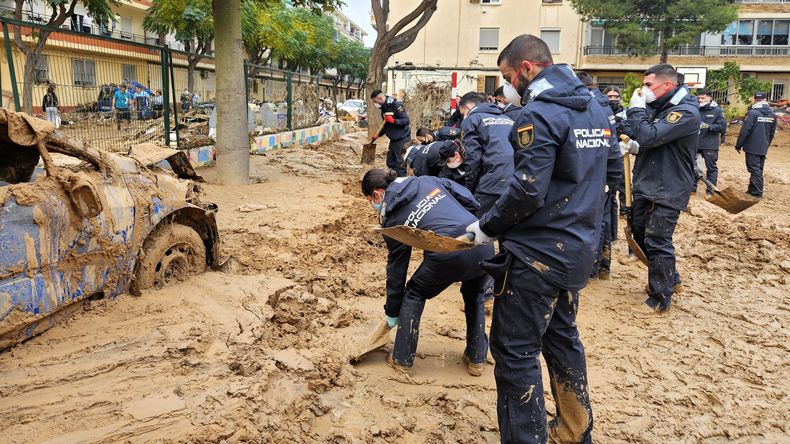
[[171, 253]]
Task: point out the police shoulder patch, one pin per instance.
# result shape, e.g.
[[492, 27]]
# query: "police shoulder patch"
[[401, 108], [674, 117], [525, 135]]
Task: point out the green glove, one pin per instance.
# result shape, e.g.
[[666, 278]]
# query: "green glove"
[[391, 322]]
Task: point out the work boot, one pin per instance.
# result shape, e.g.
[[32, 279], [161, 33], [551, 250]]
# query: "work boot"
[[604, 274], [664, 305], [473, 368], [648, 307], [401, 369], [677, 289]]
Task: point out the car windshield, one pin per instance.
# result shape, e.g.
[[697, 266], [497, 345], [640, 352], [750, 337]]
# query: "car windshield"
[[354, 104]]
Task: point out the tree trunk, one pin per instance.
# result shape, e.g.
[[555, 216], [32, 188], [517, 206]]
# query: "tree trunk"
[[378, 61], [28, 81], [233, 144], [664, 52], [192, 63]]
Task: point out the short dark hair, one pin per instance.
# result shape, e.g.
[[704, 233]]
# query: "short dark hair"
[[613, 88], [375, 93], [471, 97], [586, 79], [663, 70], [377, 178], [423, 131], [525, 47], [704, 92], [500, 92]]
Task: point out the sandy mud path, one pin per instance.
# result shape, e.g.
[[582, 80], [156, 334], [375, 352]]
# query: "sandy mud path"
[[255, 352]]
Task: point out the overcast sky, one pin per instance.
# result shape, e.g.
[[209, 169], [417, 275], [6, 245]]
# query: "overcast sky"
[[359, 12]]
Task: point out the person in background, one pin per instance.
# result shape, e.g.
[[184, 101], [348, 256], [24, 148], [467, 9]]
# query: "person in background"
[[755, 137], [396, 127], [510, 109], [87, 24], [186, 100], [142, 103], [120, 104], [51, 105], [456, 117], [712, 127], [424, 135], [158, 103], [615, 97]]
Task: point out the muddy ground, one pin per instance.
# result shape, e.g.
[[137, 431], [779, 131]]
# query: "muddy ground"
[[255, 353]]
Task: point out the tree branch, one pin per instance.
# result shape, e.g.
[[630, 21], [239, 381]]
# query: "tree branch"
[[413, 16], [406, 38]]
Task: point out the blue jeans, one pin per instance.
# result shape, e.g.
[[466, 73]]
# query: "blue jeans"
[[534, 317]]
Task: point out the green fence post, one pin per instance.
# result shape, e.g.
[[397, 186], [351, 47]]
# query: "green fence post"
[[175, 102], [165, 95], [289, 98], [11, 70]]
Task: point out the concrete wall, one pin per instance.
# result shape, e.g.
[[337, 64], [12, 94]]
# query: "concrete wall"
[[317, 134]]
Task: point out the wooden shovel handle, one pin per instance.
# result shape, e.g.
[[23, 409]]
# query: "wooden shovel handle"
[[627, 172]]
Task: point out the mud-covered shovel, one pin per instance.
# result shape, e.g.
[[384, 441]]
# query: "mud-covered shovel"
[[629, 236], [732, 200], [426, 240], [369, 149], [379, 337]]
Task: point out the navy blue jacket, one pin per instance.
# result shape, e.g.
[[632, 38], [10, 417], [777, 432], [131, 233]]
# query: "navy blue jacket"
[[454, 174], [424, 159], [710, 137], [549, 216], [667, 133], [488, 163], [620, 122], [427, 203], [446, 133], [614, 163], [400, 129], [512, 111], [758, 130]]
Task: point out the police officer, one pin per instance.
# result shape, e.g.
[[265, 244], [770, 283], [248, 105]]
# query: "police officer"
[[488, 163], [614, 174], [428, 160], [664, 119], [396, 127], [712, 128], [615, 97], [510, 109], [424, 135], [444, 207], [756, 135], [548, 221]]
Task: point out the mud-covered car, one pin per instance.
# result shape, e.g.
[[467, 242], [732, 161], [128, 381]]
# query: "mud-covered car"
[[90, 223]]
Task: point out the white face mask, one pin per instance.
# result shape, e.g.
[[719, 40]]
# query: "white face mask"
[[453, 164], [511, 94], [377, 105], [649, 95], [704, 102]]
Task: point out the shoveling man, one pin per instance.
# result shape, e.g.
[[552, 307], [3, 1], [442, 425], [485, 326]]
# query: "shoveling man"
[[444, 207], [664, 119], [756, 135], [396, 128]]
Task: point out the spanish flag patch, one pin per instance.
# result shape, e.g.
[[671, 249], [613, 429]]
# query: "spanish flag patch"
[[525, 136]]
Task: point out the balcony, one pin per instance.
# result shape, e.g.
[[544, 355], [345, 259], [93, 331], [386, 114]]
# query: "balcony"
[[763, 2], [749, 51]]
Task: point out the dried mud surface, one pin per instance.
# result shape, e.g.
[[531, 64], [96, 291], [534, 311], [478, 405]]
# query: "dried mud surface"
[[255, 352]]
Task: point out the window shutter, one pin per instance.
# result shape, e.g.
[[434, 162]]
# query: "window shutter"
[[481, 83], [489, 39]]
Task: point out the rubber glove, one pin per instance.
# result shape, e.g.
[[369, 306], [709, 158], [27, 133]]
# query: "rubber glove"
[[630, 147], [479, 236], [374, 138], [704, 125], [638, 99], [389, 119], [391, 322]]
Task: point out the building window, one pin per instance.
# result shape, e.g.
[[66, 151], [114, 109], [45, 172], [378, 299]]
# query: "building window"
[[41, 71], [492, 83], [489, 39], [83, 72], [605, 82], [556, 2], [763, 33], [552, 38], [126, 28], [778, 91], [130, 72], [490, 2]]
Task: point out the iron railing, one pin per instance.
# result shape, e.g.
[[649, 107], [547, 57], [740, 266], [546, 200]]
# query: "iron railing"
[[755, 51]]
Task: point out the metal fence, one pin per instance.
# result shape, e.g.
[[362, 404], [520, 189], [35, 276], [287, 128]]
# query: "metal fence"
[[76, 81], [744, 50]]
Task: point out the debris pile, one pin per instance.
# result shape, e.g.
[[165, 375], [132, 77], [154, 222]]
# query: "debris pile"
[[428, 104]]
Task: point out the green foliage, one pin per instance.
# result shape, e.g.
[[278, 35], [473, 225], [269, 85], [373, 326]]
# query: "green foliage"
[[730, 75], [191, 21], [637, 23], [632, 83], [351, 59], [731, 112]]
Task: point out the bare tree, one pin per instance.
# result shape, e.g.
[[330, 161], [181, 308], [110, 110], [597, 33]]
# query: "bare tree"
[[391, 40]]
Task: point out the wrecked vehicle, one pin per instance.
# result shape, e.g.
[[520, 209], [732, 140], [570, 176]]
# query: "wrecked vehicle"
[[90, 223]]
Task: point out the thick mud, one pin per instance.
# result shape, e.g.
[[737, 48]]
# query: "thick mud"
[[256, 352]]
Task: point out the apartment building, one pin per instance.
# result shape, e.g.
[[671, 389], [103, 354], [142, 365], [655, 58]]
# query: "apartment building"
[[345, 27], [466, 36]]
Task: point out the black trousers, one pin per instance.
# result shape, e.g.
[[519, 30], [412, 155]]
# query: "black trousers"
[[653, 225], [603, 256], [755, 164], [433, 276], [534, 317], [394, 158], [711, 158]]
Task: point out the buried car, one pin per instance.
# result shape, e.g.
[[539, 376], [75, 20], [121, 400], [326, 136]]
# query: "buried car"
[[90, 223]]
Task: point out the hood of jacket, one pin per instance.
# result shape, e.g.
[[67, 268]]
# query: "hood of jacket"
[[487, 108], [672, 98], [558, 84]]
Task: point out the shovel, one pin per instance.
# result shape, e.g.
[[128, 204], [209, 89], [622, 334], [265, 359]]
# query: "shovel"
[[426, 240], [629, 236], [376, 339], [733, 201], [369, 149]]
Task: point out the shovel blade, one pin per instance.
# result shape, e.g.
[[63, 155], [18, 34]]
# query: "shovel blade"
[[368, 153], [377, 338], [633, 246], [425, 240], [732, 200]]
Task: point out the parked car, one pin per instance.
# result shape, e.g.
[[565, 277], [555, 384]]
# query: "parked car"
[[91, 223], [355, 108]]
